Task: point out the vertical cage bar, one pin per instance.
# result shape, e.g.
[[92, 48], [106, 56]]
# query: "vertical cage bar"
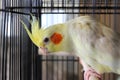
[[18, 56], [3, 50], [23, 64], [67, 68], [94, 5], [52, 67], [78, 70], [62, 67], [2, 45], [58, 67], [115, 7], [73, 63], [10, 59], [39, 68], [47, 68]]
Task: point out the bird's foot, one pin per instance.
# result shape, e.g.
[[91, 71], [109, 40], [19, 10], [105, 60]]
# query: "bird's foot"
[[91, 72]]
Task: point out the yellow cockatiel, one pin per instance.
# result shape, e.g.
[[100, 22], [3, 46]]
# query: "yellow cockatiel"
[[97, 45]]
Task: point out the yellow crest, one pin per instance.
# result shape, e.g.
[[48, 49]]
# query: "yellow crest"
[[35, 33]]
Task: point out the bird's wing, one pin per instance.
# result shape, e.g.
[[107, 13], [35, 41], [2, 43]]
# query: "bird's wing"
[[93, 43], [107, 49], [84, 32]]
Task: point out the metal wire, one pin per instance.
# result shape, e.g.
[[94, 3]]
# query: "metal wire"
[[19, 59]]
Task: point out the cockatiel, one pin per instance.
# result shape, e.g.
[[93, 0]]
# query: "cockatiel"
[[94, 43]]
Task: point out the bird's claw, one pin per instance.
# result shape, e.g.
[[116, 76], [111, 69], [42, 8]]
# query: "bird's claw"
[[91, 72]]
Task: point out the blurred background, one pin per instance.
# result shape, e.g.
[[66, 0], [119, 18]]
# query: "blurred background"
[[19, 59]]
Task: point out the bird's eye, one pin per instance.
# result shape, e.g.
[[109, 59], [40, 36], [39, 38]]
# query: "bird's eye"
[[46, 40]]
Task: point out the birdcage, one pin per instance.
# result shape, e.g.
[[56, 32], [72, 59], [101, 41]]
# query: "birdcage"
[[19, 58]]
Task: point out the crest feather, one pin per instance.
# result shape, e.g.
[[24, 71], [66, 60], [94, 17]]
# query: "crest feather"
[[35, 30]]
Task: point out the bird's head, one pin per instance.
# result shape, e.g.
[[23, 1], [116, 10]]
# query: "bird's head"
[[51, 39]]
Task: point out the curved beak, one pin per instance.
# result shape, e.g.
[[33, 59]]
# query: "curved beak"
[[43, 51]]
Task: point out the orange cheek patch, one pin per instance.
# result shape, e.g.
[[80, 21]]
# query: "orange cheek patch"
[[56, 38]]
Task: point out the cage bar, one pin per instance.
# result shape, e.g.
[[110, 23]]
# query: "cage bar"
[[19, 59]]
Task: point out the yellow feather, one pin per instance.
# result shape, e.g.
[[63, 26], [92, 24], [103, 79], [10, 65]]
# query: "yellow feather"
[[34, 35]]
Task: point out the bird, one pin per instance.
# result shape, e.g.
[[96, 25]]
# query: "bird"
[[96, 45]]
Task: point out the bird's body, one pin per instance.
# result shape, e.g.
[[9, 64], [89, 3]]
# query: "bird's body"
[[95, 43]]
